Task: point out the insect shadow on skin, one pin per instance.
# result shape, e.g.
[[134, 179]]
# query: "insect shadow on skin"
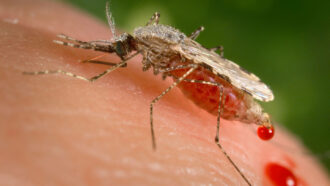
[[170, 52]]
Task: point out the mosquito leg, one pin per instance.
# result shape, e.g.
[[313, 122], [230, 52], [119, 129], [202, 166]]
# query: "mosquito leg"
[[220, 48], [165, 71], [91, 43], [176, 68], [80, 45], [107, 42], [62, 36], [86, 45], [155, 17], [159, 97], [220, 108], [196, 33], [106, 46], [217, 141], [81, 77]]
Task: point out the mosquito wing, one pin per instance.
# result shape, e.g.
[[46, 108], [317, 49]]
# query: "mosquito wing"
[[227, 69]]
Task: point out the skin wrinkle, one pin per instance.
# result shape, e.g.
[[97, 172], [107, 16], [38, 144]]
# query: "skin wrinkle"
[[176, 152]]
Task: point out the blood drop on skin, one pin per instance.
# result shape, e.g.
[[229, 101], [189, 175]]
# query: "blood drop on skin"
[[280, 175]]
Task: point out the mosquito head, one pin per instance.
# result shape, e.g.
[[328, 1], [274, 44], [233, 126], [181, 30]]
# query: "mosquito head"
[[124, 44]]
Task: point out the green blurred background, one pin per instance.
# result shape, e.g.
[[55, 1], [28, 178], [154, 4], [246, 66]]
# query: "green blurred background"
[[286, 43]]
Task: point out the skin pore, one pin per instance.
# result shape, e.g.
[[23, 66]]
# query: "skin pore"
[[57, 130]]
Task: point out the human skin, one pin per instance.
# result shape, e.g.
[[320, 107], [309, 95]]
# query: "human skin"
[[57, 130]]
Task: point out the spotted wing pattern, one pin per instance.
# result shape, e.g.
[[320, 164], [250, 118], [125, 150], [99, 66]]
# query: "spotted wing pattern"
[[237, 76]]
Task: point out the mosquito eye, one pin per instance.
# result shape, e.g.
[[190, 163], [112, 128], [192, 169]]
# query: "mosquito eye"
[[120, 49]]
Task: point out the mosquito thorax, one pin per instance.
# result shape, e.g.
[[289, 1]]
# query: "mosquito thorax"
[[162, 33], [156, 43]]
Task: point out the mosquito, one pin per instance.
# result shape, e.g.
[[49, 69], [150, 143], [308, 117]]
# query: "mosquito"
[[196, 70]]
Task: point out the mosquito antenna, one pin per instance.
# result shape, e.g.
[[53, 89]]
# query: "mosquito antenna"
[[110, 19]]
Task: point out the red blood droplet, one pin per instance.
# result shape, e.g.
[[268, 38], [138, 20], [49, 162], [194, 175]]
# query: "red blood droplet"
[[279, 175], [266, 133]]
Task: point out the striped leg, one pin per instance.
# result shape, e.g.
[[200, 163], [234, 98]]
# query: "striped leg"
[[99, 45], [62, 36], [165, 71], [80, 45], [158, 70], [220, 108], [176, 68], [123, 63], [180, 79]]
